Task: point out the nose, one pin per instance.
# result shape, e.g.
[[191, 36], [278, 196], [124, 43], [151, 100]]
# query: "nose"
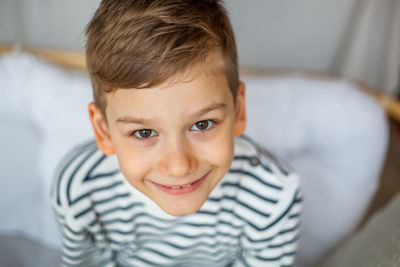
[[177, 160]]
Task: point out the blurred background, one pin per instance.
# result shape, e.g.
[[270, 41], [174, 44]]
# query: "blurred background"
[[359, 39], [354, 39]]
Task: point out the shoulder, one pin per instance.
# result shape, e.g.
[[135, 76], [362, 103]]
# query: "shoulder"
[[80, 171], [268, 186], [252, 159], [247, 150]]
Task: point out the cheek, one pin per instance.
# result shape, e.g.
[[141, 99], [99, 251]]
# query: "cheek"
[[219, 150], [133, 163]]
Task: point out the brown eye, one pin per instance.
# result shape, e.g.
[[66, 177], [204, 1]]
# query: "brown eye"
[[202, 125], [144, 133]]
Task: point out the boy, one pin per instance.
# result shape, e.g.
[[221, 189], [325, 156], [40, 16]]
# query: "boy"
[[167, 183]]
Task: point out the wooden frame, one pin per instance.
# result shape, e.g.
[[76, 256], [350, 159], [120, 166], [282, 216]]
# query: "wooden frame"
[[69, 59], [77, 60]]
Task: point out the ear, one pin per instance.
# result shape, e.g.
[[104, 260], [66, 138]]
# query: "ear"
[[100, 130], [240, 112]]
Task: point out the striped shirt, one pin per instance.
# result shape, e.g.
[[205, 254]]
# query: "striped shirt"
[[251, 218]]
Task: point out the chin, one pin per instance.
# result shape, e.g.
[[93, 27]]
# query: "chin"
[[178, 210]]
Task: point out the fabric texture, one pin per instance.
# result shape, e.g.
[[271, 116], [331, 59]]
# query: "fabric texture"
[[251, 218], [377, 244]]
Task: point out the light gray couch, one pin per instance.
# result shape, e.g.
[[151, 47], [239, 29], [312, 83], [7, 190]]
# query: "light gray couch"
[[333, 134]]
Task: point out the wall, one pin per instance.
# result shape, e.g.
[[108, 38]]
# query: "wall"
[[48, 23], [282, 33], [304, 33]]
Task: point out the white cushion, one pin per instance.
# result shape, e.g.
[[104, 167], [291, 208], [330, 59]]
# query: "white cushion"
[[336, 138], [334, 135], [43, 113]]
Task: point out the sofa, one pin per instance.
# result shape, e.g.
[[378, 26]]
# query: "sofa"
[[329, 130]]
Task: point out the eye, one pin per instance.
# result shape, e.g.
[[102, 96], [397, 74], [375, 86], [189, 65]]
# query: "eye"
[[144, 133], [202, 125]]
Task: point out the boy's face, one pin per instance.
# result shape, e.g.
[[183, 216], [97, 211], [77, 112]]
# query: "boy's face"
[[174, 142]]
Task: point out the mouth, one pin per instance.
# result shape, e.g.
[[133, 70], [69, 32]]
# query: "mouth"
[[181, 189]]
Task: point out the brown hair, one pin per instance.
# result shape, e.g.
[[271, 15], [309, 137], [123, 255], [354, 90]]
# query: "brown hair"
[[142, 43]]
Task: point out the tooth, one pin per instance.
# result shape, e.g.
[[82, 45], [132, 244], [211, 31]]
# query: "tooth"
[[186, 186], [175, 187]]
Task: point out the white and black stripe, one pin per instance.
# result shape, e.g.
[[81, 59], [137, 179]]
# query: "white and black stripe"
[[250, 219]]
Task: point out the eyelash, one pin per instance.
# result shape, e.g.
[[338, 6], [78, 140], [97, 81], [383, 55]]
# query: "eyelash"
[[210, 124], [136, 134]]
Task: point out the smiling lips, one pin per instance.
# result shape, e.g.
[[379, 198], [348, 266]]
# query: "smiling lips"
[[178, 187], [181, 189]]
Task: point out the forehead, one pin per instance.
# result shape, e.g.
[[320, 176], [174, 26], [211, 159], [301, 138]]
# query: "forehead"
[[183, 94]]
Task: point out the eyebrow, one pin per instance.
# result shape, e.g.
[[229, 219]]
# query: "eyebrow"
[[201, 112]]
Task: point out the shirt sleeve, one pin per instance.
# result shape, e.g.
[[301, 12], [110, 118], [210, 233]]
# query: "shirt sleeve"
[[78, 245], [275, 244]]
